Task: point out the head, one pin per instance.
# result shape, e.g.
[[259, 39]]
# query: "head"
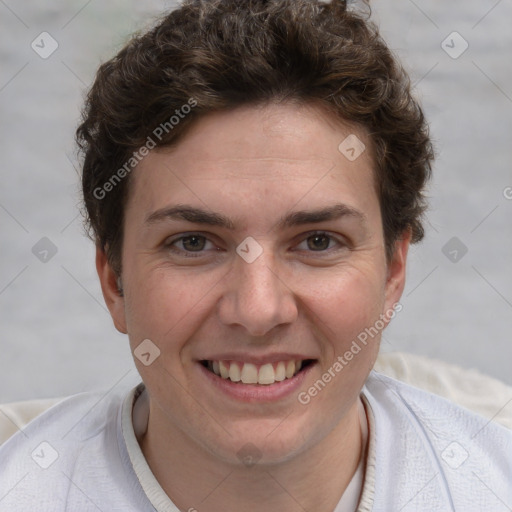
[[292, 127]]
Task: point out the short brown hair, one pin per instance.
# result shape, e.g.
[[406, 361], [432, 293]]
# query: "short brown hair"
[[219, 54]]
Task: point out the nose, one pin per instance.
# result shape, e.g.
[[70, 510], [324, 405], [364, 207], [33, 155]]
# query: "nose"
[[257, 296]]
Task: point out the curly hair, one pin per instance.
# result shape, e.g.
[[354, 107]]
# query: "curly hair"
[[213, 55]]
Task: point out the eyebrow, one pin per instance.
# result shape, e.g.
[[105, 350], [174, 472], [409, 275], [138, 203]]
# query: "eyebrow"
[[298, 218]]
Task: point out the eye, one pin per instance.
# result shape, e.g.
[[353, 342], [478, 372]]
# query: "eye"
[[319, 242], [193, 245], [189, 244]]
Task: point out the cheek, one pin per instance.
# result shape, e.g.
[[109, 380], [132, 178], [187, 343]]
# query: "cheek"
[[163, 305], [344, 305], [345, 310]]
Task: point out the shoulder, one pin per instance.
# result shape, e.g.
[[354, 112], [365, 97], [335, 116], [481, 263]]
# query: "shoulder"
[[436, 452], [466, 387], [432, 410], [68, 456]]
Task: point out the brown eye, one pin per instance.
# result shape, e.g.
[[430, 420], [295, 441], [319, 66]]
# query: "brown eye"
[[319, 242], [193, 243]]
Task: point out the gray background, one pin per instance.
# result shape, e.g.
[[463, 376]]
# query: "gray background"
[[56, 335]]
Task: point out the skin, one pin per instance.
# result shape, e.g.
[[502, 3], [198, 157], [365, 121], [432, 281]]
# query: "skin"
[[254, 165]]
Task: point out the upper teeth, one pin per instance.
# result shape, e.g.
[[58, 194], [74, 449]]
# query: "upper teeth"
[[249, 373]]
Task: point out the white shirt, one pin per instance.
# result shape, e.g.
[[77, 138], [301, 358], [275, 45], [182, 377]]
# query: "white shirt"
[[134, 424], [424, 454]]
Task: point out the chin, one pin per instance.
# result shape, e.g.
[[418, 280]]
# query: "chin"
[[264, 442]]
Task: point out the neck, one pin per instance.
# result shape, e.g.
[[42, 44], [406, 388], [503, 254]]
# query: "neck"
[[195, 479]]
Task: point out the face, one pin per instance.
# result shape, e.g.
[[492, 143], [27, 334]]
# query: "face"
[[254, 249]]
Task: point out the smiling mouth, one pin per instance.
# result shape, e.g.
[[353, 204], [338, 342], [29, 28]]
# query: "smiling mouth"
[[265, 374]]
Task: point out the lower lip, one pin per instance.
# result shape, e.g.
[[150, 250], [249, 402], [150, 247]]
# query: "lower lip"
[[257, 392]]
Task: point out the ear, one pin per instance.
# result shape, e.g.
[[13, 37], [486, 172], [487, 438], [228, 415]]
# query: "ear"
[[395, 280], [111, 290]]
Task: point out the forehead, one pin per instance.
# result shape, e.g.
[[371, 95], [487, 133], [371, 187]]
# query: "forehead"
[[284, 154], [287, 131]]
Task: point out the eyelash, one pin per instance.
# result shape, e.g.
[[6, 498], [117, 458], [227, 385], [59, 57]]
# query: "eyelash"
[[192, 254]]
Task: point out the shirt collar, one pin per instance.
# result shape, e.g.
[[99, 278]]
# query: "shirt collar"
[[358, 497]]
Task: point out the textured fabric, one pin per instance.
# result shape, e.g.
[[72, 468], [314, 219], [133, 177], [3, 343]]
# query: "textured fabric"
[[71, 458], [431, 455], [14, 416], [134, 424], [425, 454], [471, 389]]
